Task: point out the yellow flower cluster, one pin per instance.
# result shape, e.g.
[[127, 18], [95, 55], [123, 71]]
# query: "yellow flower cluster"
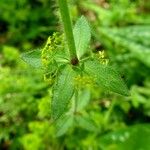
[[48, 78], [101, 57], [53, 43]]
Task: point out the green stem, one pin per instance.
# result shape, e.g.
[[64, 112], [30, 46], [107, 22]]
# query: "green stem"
[[68, 30]]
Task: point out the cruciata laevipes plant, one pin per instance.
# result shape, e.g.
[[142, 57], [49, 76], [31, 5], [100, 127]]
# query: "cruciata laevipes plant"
[[71, 67]]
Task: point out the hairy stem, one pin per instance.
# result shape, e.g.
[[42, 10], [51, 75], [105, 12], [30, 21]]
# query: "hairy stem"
[[68, 30]]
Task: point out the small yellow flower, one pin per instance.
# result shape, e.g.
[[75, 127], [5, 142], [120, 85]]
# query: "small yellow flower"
[[101, 54], [101, 57]]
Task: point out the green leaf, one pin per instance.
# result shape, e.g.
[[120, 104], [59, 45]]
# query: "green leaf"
[[86, 123], [82, 36], [136, 33], [135, 137], [106, 77], [62, 91], [137, 42], [84, 98], [32, 58], [63, 124]]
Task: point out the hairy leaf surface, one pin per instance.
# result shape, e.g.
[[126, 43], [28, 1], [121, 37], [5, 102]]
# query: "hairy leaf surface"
[[82, 36], [106, 77], [62, 91]]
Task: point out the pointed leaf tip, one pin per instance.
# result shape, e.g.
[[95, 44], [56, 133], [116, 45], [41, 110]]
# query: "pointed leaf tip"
[[106, 77], [33, 58]]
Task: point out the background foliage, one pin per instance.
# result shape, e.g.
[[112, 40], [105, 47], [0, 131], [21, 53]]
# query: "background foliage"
[[107, 121]]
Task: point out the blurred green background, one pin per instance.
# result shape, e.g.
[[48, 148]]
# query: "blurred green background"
[[109, 121]]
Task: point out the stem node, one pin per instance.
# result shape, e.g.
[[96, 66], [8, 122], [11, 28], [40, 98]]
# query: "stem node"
[[74, 61]]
